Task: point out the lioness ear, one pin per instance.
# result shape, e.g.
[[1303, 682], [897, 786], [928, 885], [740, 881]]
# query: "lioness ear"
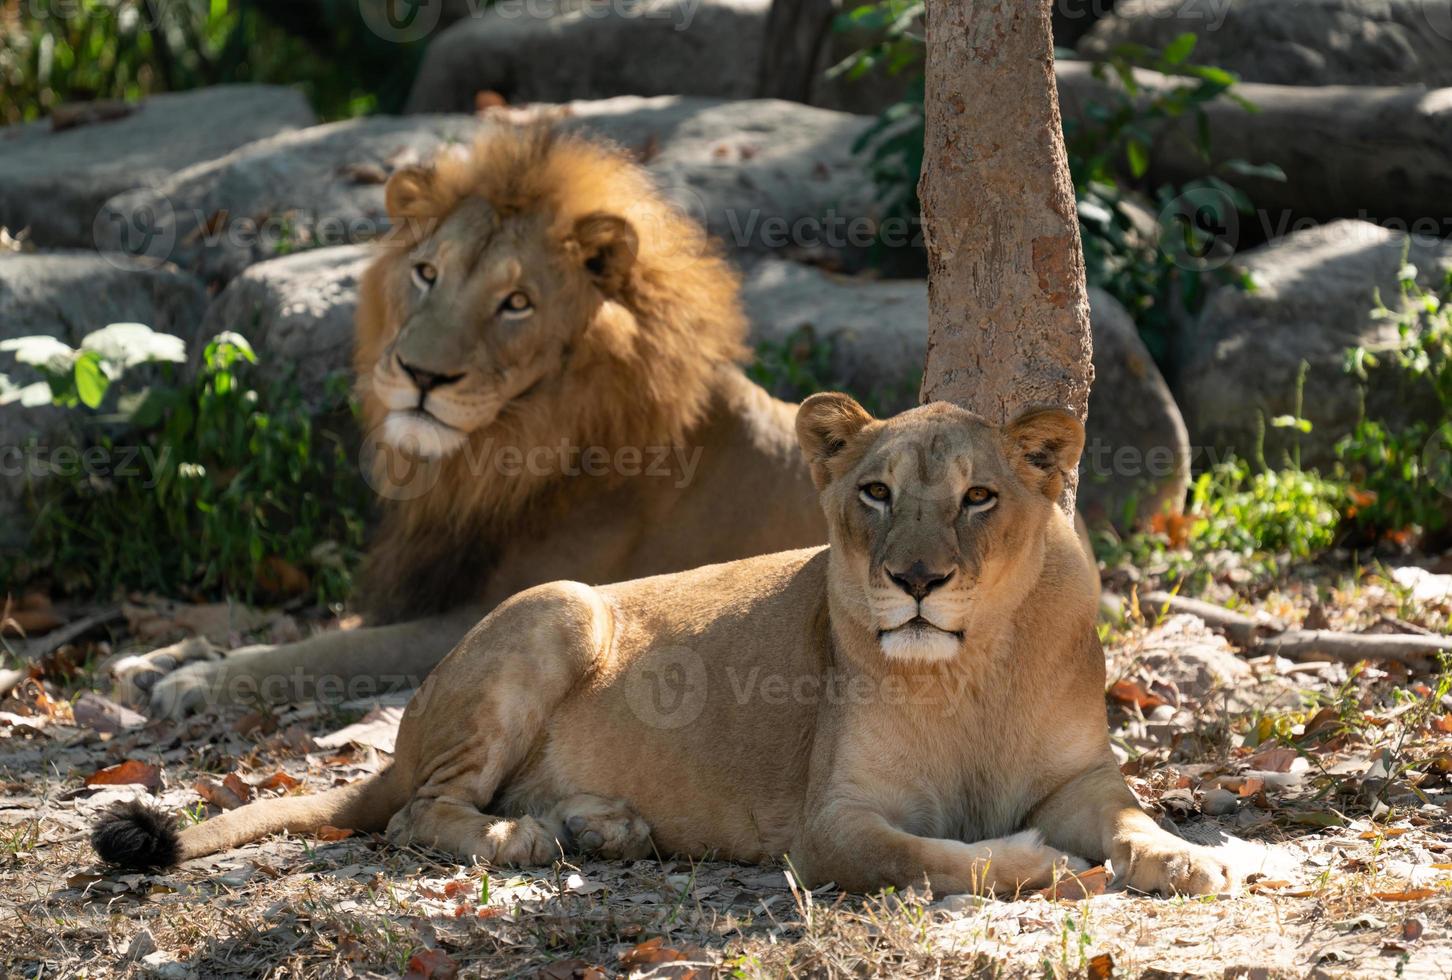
[[1045, 444], [608, 246], [411, 194], [825, 423]]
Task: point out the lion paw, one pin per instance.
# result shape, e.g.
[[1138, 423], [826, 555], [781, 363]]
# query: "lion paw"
[[603, 827], [169, 683], [1025, 861], [1166, 864]]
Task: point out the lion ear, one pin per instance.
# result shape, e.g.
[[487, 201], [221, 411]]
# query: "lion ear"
[[826, 422], [411, 194], [608, 245], [1045, 444]]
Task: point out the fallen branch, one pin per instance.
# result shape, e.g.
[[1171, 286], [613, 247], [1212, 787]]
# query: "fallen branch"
[[1417, 651], [57, 638]]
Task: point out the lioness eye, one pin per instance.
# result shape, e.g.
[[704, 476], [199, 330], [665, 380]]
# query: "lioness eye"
[[876, 493], [425, 275], [516, 303], [978, 496]]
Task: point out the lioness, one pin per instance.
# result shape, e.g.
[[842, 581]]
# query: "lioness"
[[547, 353], [922, 698]]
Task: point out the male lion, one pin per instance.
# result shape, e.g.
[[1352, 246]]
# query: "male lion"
[[547, 354], [924, 698]]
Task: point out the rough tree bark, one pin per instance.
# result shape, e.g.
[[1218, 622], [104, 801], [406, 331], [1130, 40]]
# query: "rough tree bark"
[[1008, 324]]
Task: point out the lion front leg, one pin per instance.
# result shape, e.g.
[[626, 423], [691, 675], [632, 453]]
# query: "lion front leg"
[[862, 851], [1096, 815]]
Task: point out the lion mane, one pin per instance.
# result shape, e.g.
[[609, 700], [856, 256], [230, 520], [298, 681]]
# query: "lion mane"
[[639, 374]]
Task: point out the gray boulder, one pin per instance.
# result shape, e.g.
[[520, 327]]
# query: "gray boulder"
[[319, 187], [67, 296], [1296, 42], [761, 175], [54, 182], [558, 50], [1315, 291], [869, 337], [297, 311]]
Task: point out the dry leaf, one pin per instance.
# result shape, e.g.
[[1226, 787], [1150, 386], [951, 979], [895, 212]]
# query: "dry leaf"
[[1073, 888], [130, 772], [280, 780], [574, 969], [1101, 967], [652, 952], [1374, 833], [1410, 895], [1132, 693], [327, 832], [1412, 930], [228, 793], [431, 964], [100, 713], [1275, 759]]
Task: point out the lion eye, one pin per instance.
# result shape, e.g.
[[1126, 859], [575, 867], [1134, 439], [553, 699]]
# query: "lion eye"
[[876, 493], [516, 304], [978, 497], [425, 274]]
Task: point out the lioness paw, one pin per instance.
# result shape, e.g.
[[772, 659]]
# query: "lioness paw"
[[142, 681], [602, 827], [1023, 860], [1166, 864]]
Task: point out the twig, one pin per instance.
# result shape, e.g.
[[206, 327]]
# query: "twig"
[[1273, 637], [58, 638]]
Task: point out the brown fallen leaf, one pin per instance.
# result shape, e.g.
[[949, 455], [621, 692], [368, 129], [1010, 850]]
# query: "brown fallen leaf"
[[1383, 832], [652, 952], [1409, 895], [431, 964], [98, 712], [575, 969], [1442, 724], [1101, 967], [228, 793], [1132, 693], [327, 832], [280, 780], [1412, 930], [1076, 887], [130, 772], [1277, 758]]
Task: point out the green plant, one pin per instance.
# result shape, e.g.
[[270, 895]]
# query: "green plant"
[[57, 51], [216, 485], [1403, 473]]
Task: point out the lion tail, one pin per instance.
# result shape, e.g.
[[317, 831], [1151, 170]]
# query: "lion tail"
[[136, 835]]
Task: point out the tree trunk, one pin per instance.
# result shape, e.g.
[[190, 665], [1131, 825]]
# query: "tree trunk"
[[795, 34], [1008, 322]]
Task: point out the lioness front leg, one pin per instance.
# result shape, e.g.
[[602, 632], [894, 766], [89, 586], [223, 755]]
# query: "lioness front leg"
[[337, 666], [1097, 816], [862, 852]]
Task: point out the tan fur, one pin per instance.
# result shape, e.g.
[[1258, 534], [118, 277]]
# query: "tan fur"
[[631, 346], [754, 709]]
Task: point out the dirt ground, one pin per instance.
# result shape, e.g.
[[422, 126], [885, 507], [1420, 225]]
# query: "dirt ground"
[[1330, 782]]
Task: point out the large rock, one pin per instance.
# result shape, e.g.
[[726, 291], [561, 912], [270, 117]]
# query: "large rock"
[[54, 182], [869, 337], [1296, 42], [1313, 302], [297, 311], [761, 175], [558, 50], [319, 187], [66, 296]]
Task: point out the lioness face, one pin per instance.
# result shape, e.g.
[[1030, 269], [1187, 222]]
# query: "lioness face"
[[935, 517], [488, 306]]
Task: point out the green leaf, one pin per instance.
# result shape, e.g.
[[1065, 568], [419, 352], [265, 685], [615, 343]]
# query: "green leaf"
[[1265, 171], [91, 379], [129, 344], [1180, 49], [1138, 155]]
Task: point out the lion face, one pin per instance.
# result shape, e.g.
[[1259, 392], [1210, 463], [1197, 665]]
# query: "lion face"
[[936, 518], [488, 305]]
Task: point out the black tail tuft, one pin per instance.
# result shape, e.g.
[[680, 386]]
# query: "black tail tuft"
[[133, 834]]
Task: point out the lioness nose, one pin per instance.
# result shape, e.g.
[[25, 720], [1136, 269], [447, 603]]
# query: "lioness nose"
[[426, 380], [918, 580]]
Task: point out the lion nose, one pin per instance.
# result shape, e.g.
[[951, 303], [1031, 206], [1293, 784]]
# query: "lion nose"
[[918, 580], [426, 381]]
